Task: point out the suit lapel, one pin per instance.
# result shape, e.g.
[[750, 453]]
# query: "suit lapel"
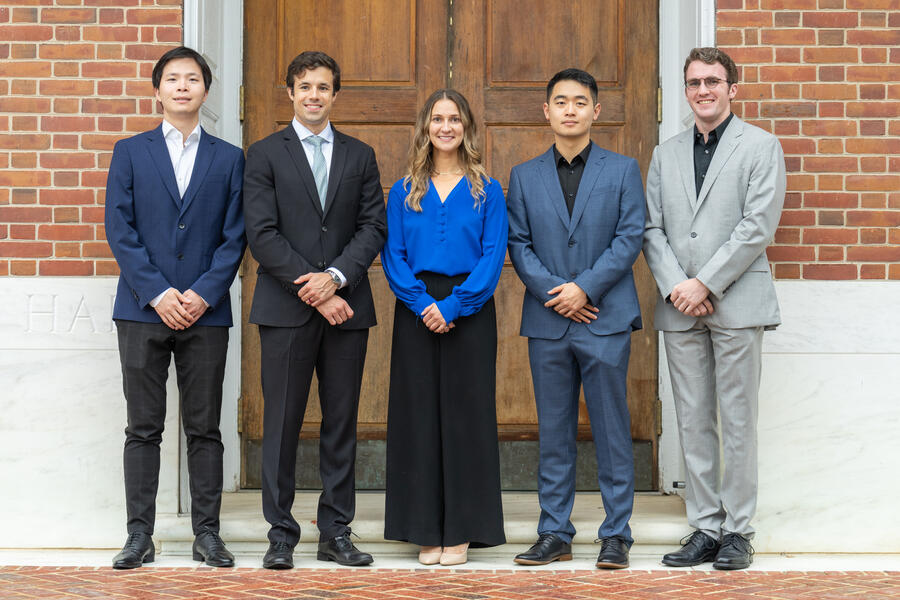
[[338, 160], [724, 149], [298, 156], [206, 150], [685, 158], [160, 155], [592, 171], [550, 177]]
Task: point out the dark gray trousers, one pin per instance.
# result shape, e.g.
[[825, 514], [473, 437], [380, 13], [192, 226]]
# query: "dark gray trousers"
[[145, 350]]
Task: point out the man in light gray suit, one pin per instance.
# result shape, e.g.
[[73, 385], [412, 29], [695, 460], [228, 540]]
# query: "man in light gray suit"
[[714, 199]]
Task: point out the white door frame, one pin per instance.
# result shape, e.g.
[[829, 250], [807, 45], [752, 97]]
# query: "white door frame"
[[215, 28], [683, 24]]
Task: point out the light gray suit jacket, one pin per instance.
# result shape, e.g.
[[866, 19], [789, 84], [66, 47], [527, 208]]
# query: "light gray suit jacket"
[[720, 236]]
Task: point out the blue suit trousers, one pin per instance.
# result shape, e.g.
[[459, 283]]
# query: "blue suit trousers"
[[559, 368]]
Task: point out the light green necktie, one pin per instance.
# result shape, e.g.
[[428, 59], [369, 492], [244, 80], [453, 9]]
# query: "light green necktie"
[[320, 172]]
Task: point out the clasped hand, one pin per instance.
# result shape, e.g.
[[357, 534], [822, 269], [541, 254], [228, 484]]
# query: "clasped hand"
[[179, 311], [691, 297], [434, 320], [570, 301], [318, 288]]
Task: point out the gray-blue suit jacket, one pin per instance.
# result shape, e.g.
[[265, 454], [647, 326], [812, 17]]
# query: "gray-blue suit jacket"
[[595, 247]]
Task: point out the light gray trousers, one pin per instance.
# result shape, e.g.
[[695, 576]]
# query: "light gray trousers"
[[714, 368]]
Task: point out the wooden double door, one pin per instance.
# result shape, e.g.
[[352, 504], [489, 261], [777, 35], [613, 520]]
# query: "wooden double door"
[[499, 53]]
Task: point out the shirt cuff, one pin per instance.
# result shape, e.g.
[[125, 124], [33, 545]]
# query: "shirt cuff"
[[156, 300], [336, 271]]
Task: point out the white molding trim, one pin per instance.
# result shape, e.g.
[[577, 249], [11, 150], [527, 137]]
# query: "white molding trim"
[[683, 24], [221, 31], [706, 25]]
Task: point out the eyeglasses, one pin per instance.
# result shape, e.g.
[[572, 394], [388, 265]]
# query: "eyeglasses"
[[711, 82]]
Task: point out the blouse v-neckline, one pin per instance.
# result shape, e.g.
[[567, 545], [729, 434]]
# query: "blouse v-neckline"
[[450, 193]]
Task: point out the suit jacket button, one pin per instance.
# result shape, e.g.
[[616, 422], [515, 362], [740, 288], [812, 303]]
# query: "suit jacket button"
[[693, 234], [321, 265], [181, 257], [573, 275], [571, 243], [181, 226], [324, 228]]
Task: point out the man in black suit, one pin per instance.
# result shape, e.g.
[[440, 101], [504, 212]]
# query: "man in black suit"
[[314, 212]]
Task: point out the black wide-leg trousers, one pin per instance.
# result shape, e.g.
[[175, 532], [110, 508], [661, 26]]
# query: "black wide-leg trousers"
[[145, 350], [443, 464]]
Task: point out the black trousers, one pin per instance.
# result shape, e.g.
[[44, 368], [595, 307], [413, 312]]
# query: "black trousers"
[[145, 350], [289, 355], [443, 464]]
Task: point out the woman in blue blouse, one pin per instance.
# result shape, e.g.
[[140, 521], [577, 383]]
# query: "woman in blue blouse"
[[446, 245]]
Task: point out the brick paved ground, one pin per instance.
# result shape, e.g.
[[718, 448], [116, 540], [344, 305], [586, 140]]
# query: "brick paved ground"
[[183, 583]]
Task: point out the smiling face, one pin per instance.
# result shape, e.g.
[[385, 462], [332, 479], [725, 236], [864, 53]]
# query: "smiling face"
[[181, 90], [313, 96], [445, 129], [571, 110], [712, 105]]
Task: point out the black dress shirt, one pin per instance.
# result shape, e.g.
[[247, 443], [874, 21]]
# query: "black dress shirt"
[[703, 151], [570, 174]]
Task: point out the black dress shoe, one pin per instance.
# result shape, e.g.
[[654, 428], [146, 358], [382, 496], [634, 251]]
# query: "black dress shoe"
[[279, 556], [209, 548], [548, 548], [613, 553], [342, 551], [735, 552], [695, 549], [138, 550]]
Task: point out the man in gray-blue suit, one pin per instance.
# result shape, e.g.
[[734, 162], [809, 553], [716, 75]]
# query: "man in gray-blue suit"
[[576, 217]]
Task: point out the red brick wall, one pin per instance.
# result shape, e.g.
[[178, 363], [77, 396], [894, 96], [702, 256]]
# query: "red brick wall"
[[824, 75], [74, 78]]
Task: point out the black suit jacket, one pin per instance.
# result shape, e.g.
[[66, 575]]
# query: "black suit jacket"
[[289, 234]]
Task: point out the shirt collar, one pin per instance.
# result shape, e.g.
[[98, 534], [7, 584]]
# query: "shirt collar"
[[170, 132], [583, 155], [302, 132], [716, 134]]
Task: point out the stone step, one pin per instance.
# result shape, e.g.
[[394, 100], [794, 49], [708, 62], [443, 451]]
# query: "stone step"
[[658, 521]]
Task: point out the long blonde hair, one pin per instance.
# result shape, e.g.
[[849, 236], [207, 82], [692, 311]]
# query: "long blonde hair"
[[420, 164]]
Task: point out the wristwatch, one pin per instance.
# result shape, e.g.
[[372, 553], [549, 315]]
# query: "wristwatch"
[[335, 279]]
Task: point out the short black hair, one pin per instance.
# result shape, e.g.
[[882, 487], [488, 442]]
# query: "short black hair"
[[181, 52], [582, 77], [312, 59]]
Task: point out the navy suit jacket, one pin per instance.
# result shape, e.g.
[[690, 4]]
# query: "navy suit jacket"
[[162, 240], [595, 247]]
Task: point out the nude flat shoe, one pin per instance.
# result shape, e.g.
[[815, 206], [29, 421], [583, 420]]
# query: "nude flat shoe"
[[448, 559], [430, 557]]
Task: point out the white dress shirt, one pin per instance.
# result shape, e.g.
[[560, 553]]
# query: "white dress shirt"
[[326, 134], [183, 154]]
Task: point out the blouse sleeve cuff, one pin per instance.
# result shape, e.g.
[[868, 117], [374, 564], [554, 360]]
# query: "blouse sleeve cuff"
[[421, 303], [449, 308]]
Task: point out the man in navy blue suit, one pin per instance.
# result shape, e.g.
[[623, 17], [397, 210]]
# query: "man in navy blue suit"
[[175, 225], [576, 217]]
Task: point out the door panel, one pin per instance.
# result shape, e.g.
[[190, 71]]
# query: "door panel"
[[504, 51], [392, 53]]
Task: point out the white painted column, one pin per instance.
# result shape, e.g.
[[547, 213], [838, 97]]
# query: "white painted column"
[[683, 25], [215, 28]]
